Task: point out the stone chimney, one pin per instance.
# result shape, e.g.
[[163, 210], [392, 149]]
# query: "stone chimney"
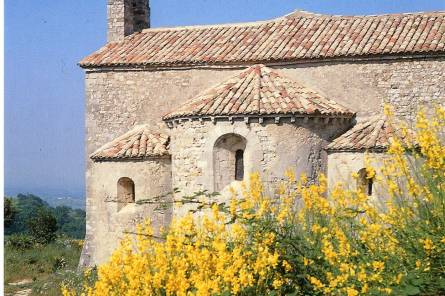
[[126, 17]]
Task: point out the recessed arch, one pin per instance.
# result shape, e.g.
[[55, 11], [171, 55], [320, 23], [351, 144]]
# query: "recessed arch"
[[228, 160], [125, 192]]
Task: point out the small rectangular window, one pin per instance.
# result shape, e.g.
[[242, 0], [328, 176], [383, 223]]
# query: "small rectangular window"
[[369, 187], [239, 165]]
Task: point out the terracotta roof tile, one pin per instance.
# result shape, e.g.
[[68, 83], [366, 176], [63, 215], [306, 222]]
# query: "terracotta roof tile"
[[371, 134], [299, 36], [260, 91], [138, 143]]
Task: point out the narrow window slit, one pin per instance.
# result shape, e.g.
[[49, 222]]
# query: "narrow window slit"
[[239, 165], [370, 187], [364, 183]]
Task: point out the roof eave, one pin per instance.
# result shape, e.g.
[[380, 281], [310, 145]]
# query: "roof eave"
[[277, 62], [244, 117], [129, 159], [356, 150]]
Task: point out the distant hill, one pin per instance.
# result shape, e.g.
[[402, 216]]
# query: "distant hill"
[[70, 222], [72, 202], [53, 198]]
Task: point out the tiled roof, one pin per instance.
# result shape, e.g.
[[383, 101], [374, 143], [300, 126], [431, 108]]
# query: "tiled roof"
[[372, 134], [296, 37], [138, 143], [259, 91]]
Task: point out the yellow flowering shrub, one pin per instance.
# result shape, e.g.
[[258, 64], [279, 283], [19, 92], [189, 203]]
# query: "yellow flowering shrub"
[[199, 256], [303, 240]]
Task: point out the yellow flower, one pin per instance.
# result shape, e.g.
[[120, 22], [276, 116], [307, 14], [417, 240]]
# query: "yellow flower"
[[428, 245], [220, 251], [378, 266], [287, 266], [316, 282], [399, 278], [277, 283], [306, 261], [365, 288], [351, 291], [418, 264]]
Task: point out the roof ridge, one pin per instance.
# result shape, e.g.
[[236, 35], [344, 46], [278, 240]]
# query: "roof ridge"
[[210, 26], [433, 12], [294, 14]]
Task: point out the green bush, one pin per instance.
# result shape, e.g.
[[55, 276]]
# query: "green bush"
[[18, 210], [20, 241], [9, 212], [43, 226]]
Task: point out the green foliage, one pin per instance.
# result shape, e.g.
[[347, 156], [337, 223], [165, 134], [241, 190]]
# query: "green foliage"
[[26, 207], [9, 212], [43, 226], [20, 241], [70, 222], [46, 265], [59, 263], [31, 226]]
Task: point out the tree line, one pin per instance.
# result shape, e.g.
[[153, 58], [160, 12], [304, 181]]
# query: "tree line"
[[29, 216]]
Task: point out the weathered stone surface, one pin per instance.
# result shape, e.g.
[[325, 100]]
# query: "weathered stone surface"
[[341, 166], [107, 222], [117, 100], [270, 149]]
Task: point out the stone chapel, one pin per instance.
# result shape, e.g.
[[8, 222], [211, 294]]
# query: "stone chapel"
[[200, 107]]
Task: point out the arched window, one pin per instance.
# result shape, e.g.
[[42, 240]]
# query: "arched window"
[[239, 165], [125, 192], [364, 183], [228, 160]]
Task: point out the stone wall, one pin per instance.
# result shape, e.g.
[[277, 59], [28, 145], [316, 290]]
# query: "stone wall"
[[365, 86], [117, 100], [270, 149], [107, 221], [341, 166]]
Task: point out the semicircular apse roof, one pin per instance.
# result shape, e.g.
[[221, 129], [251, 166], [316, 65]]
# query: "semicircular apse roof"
[[138, 143], [371, 134], [259, 91]]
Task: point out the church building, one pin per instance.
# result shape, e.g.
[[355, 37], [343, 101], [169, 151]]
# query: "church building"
[[200, 107]]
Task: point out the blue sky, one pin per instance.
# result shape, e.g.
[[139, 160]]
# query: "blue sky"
[[44, 90]]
